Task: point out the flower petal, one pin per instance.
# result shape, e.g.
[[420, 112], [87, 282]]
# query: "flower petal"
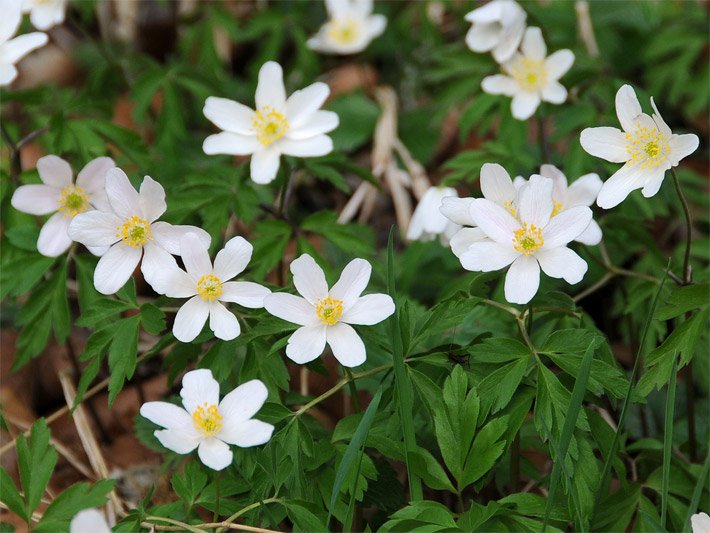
[[195, 256], [44, 15], [199, 387], [592, 235], [115, 267], [54, 171], [231, 144], [95, 228], [264, 165], [535, 204], [242, 403], [369, 309], [247, 433], [311, 147], [464, 238], [8, 73], [233, 258], [156, 267], [53, 237], [190, 319], [168, 236], [179, 284], [566, 226], [558, 63], [15, 49], [554, 92], [215, 454], [302, 104], [524, 105], [533, 44], [318, 123], [658, 119], [682, 146], [483, 37], [89, 521], [562, 263], [654, 180], [291, 308], [457, 210], [522, 280], [496, 184], [584, 190], [244, 293], [169, 416], [229, 115], [152, 199], [497, 223], [223, 323], [375, 26], [627, 107], [499, 84], [177, 441], [615, 190], [270, 89], [36, 199], [346, 344], [487, 256], [124, 199], [605, 142], [92, 177], [353, 280], [309, 279], [306, 343]]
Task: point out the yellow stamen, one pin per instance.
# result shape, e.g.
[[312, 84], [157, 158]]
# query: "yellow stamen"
[[531, 74], [509, 207], [209, 287], [528, 239], [135, 232], [344, 31], [558, 207], [269, 124], [207, 419], [649, 147], [329, 310], [73, 200]]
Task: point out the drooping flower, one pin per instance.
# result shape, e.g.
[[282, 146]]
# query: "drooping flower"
[[293, 126], [700, 523], [45, 13], [325, 315], [530, 77], [646, 145], [207, 286], [350, 28], [129, 230], [427, 220], [12, 50], [206, 423], [59, 195], [583, 191], [497, 27], [89, 521], [531, 240]]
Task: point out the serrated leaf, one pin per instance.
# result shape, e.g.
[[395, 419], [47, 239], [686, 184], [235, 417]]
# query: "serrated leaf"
[[76, 498], [35, 460], [10, 496], [122, 354]]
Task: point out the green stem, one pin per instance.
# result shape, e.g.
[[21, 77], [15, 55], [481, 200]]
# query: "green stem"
[[249, 508], [353, 390], [215, 516], [688, 228], [668, 442]]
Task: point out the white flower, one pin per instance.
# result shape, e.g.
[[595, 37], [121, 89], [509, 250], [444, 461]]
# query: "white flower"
[[582, 192], [498, 27], [130, 231], [89, 521], [208, 424], [350, 28], [646, 145], [208, 285], [700, 523], [59, 195], [12, 50], [427, 220], [531, 77], [325, 315], [532, 240], [294, 127], [45, 13]]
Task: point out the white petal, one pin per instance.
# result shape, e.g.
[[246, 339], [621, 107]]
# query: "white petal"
[[244, 293], [169, 416], [190, 319], [592, 235], [311, 147], [566, 226], [615, 190], [233, 258], [627, 107], [92, 177], [229, 115], [195, 256], [522, 280], [490, 12], [337, 8], [318, 123], [457, 210], [115, 267], [464, 238], [89, 521], [496, 184], [8, 73], [346, 344], [14, 49], [302, 104], [535, 204], [559, 181], [242, 403], [53, 237], [168, 236], [54, 171], [231, 144], [306, 343], [270, 88], [584, 190], [215, 454], [199, 387], [700, 523], [9, 23], [223, 323], [497, 223], [605, 142], [156, 266], [533, 44], [654, 180], [48, 14], [524, 105], [152, 199], [658, 119], [124, 199], [95, 228], [177, 441], [179, 284], [682, 146], [375, 26], [562, 263], [487, 256], [309, 279], [554, 92], [558, 63], [369, 309], [352, 281], [36, 199], [265, 165], [483, 37], [499, 84], [247, 433], [291, 308]]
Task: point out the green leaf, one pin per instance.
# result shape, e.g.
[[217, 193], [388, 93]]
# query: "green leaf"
[[425, 465], [668, 440], [303, 519], [76, 498], [122, 354], [348, 237], [11, 497], [270, 240], [36, 460], [360, 114], [486, 450], [189, 484], [101, 310], [152, 318], [684, 299]]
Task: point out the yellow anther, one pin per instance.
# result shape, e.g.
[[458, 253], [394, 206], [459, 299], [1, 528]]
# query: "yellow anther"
[[528, 239], [531, 74], [557, 208], [135, 232], [648, 147], [269, 124], [329, 310], [509, 207], [209, 287], [73, 200], [207, 419], [344, 31]]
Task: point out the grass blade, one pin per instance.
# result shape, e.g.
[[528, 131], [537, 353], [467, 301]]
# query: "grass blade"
[[668, 442], [697, 492], [405, 397], [575, 405]]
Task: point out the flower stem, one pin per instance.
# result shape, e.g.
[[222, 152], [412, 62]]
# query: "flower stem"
[[355, 398], [688, 228], [215, 516]]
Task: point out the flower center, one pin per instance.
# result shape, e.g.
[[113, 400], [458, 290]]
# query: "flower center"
[[209, 287], [135, 232], [557, 208], [531, 74], [329, 310], [207, 419], [269, 124], [649, 147], [344, 31], [528, 239], [73, 200]]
